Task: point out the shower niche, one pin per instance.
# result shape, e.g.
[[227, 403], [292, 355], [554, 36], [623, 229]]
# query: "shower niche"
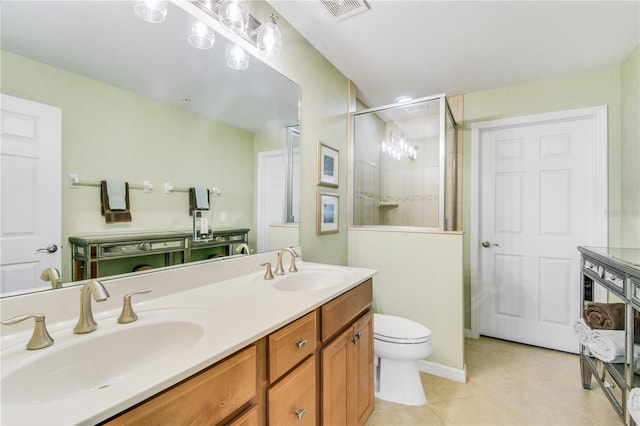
[[404, 165]]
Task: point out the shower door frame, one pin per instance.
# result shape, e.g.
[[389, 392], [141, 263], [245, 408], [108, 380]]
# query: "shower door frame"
[[445, 110]]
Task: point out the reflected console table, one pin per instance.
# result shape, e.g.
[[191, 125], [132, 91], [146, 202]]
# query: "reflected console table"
[[104, 255], [612, 275]]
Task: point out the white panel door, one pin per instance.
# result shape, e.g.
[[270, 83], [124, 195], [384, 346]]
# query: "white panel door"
[[537, 201], [271, 193], [30, 213]]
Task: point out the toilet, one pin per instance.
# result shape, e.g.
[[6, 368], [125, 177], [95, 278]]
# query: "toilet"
[[398, 345]]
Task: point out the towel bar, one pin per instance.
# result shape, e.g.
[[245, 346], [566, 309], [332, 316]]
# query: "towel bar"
[[75, 182]]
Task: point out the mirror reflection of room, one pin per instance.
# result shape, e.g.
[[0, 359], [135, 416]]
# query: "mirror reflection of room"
[[158, 114]]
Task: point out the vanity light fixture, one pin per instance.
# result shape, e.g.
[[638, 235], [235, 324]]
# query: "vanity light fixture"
[[201, 35], [233, 16], [237, 57], [398, 147], [154, 11], [269, 38]]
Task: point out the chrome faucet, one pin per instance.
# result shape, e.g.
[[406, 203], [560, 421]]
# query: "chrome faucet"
[[53, 275], [279, 268], [86, 323]]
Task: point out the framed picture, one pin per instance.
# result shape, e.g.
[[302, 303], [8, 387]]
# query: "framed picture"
[[327, 215], [327, 165]]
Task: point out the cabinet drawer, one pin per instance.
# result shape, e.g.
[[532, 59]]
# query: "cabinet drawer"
[[206, 398], [614, 278], [248, 418], [292, 401], [291, 344], [593, 268], [345, 308]]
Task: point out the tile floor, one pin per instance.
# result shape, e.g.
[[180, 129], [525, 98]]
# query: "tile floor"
[[507, 384]]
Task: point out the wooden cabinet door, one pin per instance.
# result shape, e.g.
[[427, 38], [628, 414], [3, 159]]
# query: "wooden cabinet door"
[[347, 375], [337, 380], [363, 398]]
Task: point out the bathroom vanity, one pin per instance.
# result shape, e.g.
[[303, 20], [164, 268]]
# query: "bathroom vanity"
[[229, 347], [95, 256], [275, 377], [612, 275]]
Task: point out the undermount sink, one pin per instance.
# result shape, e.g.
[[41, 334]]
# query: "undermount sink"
[[312, 280], [111, 355]]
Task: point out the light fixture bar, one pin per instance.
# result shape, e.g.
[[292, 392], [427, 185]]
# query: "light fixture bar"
[[211, 8]]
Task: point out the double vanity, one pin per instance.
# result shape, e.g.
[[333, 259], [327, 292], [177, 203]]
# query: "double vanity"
[[213, 342]]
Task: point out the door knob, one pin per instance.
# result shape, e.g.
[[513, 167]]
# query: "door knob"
[[51, 248], [487, 244]]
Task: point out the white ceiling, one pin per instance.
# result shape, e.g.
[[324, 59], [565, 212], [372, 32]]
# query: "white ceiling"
[[421, 48]]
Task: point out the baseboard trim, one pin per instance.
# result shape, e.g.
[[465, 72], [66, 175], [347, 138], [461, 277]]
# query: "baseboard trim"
[[443, 371]]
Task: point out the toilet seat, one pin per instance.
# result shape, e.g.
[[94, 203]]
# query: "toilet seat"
[[392, 329]]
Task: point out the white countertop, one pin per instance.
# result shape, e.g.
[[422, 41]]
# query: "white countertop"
[[239, 311]]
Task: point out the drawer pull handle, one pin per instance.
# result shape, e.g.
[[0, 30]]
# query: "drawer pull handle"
[[301, 344], [356, 338], [300, 412]]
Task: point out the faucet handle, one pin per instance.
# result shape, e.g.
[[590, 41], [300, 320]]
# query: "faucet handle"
[[128, 315], [268, 274], [40, 338]]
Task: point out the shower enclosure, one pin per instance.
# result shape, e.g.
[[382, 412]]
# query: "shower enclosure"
[[404, 165]]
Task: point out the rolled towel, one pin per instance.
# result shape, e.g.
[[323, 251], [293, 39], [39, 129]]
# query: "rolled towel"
[[582, 332], [633, 404], [604, 316], [608, 345]]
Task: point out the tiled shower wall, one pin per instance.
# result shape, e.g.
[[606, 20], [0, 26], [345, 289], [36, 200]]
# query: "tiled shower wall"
[[403, 192]]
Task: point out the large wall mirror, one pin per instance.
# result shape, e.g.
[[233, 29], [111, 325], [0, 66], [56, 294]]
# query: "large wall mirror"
[[139, 103]]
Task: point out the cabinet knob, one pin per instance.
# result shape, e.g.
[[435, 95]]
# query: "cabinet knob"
[[300, 412], [301, 344], [356, 338]]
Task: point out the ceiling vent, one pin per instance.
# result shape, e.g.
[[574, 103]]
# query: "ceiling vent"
[[343, 9]]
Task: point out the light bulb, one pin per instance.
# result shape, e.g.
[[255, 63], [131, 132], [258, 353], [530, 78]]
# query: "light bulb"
[[233, 16], [201, 36], [154, 11], [237, 57], [269, 39]]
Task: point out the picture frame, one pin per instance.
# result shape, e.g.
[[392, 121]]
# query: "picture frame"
[[328, 162], [328, 210]]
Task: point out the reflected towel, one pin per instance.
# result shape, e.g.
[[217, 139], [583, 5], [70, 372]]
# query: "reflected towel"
[[608, 345], [198, 199], [582, 332], [202, 198], [604, 316], [110, 215], [117, 191]]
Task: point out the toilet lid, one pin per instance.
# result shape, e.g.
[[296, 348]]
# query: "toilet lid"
[[394, 329]]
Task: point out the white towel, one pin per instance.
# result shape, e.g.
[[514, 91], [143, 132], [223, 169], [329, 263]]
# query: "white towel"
[[116, 191], [582, 332], [633, 404], [202, 198], [608, 345]]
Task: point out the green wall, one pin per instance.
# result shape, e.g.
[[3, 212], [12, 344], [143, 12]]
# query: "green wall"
[[630, 153], [108, 132], [603, 87]]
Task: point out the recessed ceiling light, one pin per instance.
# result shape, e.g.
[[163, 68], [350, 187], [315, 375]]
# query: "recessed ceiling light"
[[401, 99]]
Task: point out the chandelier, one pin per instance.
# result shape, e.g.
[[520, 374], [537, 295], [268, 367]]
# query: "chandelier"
[[266, 37], [398, 147]]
